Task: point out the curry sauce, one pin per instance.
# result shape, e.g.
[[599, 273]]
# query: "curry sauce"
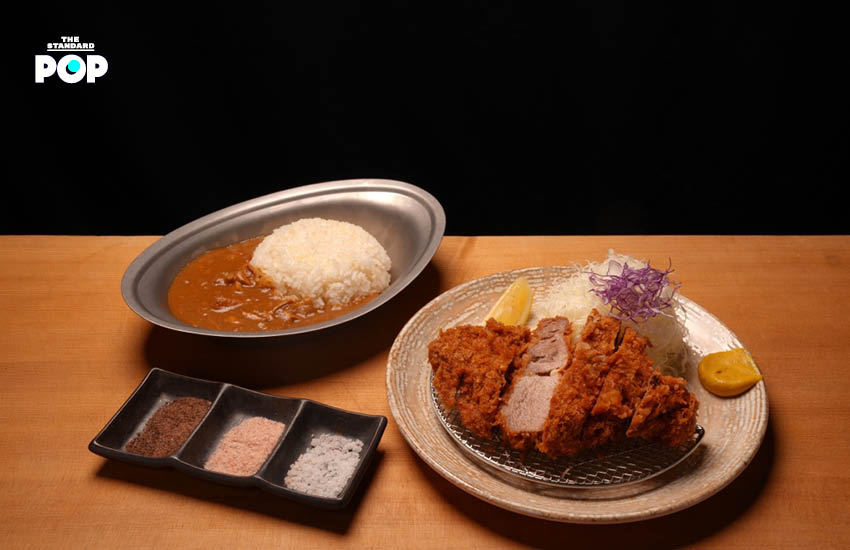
[[220, 290]]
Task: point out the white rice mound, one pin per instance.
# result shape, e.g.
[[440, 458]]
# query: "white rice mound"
[[332, 262], [572, 298]]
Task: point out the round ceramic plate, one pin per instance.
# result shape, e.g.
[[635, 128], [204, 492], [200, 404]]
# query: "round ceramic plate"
[[734, 427], [408, 222]]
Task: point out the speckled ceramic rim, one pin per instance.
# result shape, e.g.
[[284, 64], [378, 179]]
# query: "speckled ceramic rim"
[[734, 427]]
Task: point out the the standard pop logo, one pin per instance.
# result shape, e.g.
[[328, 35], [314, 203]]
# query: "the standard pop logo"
[[70, 68]]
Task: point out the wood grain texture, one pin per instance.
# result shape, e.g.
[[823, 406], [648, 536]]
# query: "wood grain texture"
[[72, 352]]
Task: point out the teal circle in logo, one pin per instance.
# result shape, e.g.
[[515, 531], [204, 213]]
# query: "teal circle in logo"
[[73, 66]]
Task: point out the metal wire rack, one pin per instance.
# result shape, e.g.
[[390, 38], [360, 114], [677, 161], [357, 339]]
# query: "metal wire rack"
[[629, 461]]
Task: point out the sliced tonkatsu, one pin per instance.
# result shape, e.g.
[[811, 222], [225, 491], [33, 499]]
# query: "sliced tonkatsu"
[[579, 386], [630, 370], [667, 412], [526, 401], [471, 364], [543, 392]]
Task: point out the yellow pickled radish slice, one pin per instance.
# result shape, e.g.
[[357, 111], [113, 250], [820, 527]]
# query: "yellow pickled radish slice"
[[728, 373], [514, 305]]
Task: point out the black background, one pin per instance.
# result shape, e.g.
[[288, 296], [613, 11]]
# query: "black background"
[[592, 118]]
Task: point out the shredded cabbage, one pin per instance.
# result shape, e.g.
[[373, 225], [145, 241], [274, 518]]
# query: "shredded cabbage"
[[574, 298]]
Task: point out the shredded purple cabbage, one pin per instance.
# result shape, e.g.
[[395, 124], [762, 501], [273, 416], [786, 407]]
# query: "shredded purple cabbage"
[[635, 294]]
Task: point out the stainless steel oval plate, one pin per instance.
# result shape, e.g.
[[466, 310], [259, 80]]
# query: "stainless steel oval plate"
[[406, 220]]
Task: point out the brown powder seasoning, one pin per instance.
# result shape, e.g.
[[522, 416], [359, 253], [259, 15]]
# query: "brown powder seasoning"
[[169, 427]]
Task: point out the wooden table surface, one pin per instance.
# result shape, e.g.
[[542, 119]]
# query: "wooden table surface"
[[72, 352]]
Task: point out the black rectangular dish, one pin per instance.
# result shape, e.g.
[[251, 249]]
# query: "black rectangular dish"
[[304, 423]]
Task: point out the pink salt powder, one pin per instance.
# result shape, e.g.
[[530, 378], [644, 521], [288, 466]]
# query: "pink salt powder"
[[245, 447]]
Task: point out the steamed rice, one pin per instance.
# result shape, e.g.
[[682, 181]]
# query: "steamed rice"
[[331, 262], [572, 298]]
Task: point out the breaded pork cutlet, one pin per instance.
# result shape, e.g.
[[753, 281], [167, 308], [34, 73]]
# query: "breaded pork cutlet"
[[667, 412], [526, 401], [630, 370], [579, 386], [541, 391], [470, 365]]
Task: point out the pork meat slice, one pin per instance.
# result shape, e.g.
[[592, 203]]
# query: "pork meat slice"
[[471, 364], [630, 370], [579, 386]]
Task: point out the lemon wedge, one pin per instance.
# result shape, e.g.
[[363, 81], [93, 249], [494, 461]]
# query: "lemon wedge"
[[514, 305], [728, 373]]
